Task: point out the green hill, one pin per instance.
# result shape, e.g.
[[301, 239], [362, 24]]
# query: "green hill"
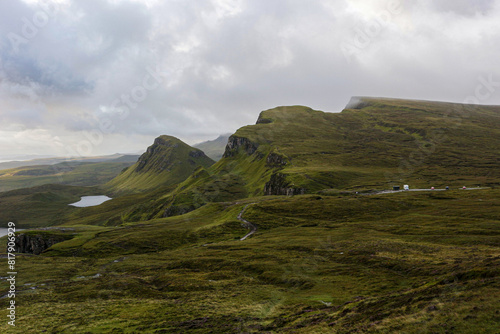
[[76, 173], [374, 144], [39, 206], [167, 162], [328, 255]]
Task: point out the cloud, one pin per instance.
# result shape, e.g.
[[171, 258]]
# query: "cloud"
[[465, 7], [133, 70]]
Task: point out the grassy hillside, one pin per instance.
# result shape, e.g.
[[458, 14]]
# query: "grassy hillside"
[[167, 162], [380, 143], [69, 173], [407, 262], [333, 258], [375, 144], [44, 205]]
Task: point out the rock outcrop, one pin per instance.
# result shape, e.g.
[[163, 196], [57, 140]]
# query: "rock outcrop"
[[235, 143], [279, 185], [145, 160], [37, 243], [263, 120], [176, 210], [276, 160]]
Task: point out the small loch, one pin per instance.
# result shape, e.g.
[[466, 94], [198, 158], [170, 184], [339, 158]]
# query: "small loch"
[[87, 201]]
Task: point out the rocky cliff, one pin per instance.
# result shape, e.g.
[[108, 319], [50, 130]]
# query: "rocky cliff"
[[234, 144], [37, 243], [279, 185], [276, 160]]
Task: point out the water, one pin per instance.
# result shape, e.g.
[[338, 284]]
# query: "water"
[[5, 231], [91, 201]]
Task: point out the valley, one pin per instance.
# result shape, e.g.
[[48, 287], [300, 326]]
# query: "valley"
[[294, 230]]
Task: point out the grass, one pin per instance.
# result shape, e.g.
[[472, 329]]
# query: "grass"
[[340, 259], [44, 205], [405, 262], [67, 173], [387, 142], [167, 162]]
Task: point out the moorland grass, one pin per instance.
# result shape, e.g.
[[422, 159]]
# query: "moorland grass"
[[403, 262]]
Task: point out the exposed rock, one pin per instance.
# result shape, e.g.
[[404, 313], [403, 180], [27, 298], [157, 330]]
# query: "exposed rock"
[[37, 243], [278, 185], [276, 160], [155, 150], [235, 143], [167, 162], [175, 210], [263, 120]]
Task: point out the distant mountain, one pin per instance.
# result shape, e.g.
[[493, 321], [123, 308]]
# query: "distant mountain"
[[17, 157], [214, 149], [57, 160], [126, 158], [167, 162], [76, 173]]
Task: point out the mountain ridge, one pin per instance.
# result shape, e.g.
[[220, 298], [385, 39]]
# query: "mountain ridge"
[[293, 150], [165, 163]]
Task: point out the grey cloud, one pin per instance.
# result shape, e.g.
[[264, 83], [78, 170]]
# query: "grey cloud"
[[464, 7], [221, 67]]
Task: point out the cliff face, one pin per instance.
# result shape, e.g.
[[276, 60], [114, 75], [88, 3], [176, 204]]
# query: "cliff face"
[[276, 160], [37, 243], [279, 185], [235, 143], [145, 160], [166, 153]]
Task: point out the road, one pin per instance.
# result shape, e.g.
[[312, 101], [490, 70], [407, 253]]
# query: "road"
[[249, 225], [400, 191]]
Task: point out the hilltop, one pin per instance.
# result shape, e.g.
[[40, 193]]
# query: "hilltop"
[[375, 144], [167, 162]]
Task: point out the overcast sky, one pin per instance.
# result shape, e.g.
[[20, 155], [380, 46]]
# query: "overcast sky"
[[103, 76]]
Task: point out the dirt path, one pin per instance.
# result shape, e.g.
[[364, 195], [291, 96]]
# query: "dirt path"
[[427, 189], [249, 225]]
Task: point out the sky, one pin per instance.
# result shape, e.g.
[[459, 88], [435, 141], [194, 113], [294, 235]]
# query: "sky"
[[94, 77]]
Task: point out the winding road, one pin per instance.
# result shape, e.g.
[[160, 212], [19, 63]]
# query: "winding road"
[[249, 225]]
